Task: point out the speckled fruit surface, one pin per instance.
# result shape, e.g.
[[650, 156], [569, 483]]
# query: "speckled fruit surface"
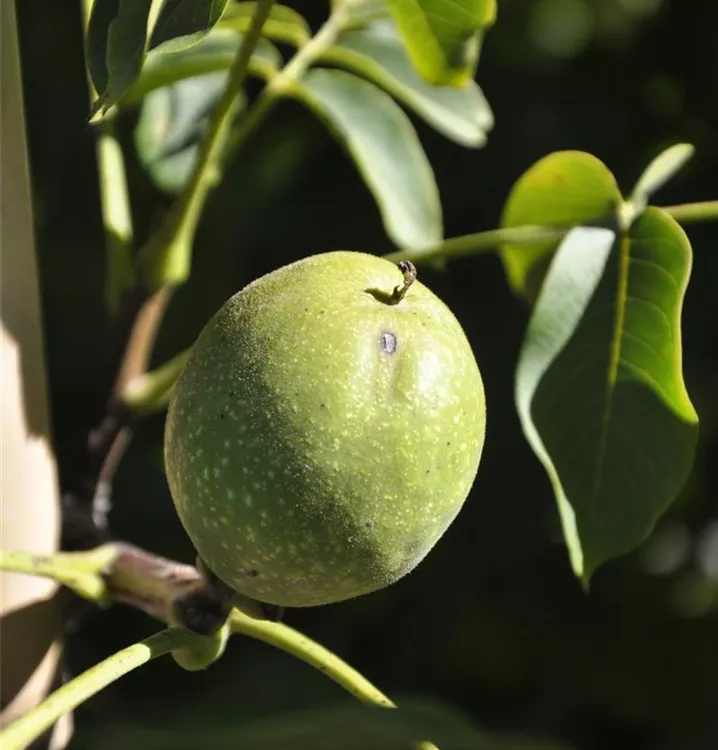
[[320, 440]]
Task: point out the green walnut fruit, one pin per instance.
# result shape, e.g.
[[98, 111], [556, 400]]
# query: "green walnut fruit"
[[325, 430]]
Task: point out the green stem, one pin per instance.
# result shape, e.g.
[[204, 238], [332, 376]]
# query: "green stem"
[[114, 201], [689, 212], [166, 258], [21, 733], [79, 571], [286, 79], [298, 645], [152, 584], [481, 242], [285, 638], [152, 391], [487, 242]]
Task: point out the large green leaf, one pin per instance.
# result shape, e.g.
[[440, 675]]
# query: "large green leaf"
[[599, 385], [377, 53], [563, 189], [385, 148], [283, 25], [659, 172], [215, 52], [182, 23], [443, 37]]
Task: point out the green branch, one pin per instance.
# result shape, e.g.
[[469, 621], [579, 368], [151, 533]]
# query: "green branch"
[[493, 239], [21, 733], [481, 242], [152, 391], [690, 212], [283, 81], [114, 201], [126, 574], [166, 258], [287, 639], [298, 645], [79, 571]]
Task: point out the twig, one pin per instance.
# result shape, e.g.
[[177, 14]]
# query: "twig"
[[129, 575]]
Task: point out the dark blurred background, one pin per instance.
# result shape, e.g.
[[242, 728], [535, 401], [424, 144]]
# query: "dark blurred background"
[[493, 621]]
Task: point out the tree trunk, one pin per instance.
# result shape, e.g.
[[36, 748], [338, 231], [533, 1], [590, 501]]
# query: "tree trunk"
[[29, 495]]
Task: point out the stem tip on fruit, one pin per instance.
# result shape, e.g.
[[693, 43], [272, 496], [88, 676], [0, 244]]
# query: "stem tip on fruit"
[[408, 270]]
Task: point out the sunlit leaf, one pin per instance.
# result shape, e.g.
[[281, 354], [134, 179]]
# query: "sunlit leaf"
[[599, 385], [659, 172], [377, 53], [283, 24], [443, 37], [563, 189], [385, 148], [182, 23]]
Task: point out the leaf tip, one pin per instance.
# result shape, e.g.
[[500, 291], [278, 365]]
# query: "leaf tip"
[[585, 580]]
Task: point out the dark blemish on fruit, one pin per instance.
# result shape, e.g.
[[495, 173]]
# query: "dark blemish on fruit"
[[252, 573], [222, 415], [448, 443], [321, 312], [387, 342], [428, 471], [369, 525], [322, 406], [231, 394]]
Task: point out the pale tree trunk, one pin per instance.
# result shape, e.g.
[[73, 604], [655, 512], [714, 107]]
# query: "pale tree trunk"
[[29, 495]]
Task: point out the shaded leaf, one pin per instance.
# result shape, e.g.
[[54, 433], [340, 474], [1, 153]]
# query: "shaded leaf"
[[349, 727], [171, 123], [215, 52], [443, 37], [116, 46], [377, 53], [659, 172], [564, 189], [385, 148], [283, 24], [182, 23], [599, 385]]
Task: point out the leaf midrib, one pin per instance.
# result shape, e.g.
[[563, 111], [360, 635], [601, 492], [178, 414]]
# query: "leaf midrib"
[[613, 362]]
